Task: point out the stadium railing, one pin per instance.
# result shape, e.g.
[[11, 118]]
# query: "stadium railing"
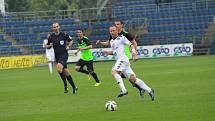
[[168, 22]]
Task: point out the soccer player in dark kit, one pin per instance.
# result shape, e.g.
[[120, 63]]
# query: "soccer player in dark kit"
[[61, 43], [86, 57]]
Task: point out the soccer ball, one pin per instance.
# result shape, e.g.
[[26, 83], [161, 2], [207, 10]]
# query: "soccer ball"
[[111, 106]]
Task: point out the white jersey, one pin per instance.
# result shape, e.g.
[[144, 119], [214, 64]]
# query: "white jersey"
[[122, 64], [117, 45], [49, 52]]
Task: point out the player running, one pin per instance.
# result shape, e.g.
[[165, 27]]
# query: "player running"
[[61, 42], [49, 54], [122, 64], [86, 57], [121, 31]]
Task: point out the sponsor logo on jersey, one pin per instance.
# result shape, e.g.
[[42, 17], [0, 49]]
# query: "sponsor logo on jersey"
[[61, 42]]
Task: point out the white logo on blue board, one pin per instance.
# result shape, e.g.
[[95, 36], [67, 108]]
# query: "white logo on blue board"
[[61, 42]]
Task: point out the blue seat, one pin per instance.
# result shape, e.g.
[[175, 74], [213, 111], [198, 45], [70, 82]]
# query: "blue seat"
[[5, 43]]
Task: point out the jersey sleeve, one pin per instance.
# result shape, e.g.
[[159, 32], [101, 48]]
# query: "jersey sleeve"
[[68, 37], [129, 37], [87, 41], [49, 40], [45, 41], [124, 40]]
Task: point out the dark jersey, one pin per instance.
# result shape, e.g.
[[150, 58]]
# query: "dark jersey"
[[126, 34], [83, 42], [59, 43]]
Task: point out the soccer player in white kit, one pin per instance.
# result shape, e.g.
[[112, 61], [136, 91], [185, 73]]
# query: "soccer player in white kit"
[[49, 54], [122, 64]]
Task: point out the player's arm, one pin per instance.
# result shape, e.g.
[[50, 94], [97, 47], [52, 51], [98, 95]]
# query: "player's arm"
[[44, 45], [77, 52], [104, 43], [133, 52], [134, 43], [132, 48], [86, 48], [89, 45], [69, 43], [132, 40], [49, 43], [106, 52]]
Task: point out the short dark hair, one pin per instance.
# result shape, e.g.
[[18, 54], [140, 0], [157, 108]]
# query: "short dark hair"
[[120, 21], [80, 30], [55, 22], [113, 25]]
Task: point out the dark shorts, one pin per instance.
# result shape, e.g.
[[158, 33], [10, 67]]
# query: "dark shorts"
[[62, 59], [89, 64]]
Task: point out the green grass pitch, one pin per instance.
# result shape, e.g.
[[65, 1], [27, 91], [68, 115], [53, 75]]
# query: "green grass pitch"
[[184, 89]]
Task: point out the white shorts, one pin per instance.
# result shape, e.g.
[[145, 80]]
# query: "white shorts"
[[50, 57], [123, 67]]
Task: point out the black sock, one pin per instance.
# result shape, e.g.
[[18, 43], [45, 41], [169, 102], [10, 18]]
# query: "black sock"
[[70, 80], [137, 86], [83, 71], [63, 77], [94, 75], [122, 75]]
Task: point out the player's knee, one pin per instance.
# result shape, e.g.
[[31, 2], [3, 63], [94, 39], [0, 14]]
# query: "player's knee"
[[77, 68], [59, 68], [114, 73], [132, 82], [132, 78], [66, 72], [91, 71]]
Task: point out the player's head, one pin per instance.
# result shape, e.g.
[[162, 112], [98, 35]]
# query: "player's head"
[[113, 31], [80, 33], [56, 27], [119, 24]]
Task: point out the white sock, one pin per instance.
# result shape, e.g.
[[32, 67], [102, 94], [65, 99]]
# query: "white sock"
[[141, 83], [50, 67], [120, 82]]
